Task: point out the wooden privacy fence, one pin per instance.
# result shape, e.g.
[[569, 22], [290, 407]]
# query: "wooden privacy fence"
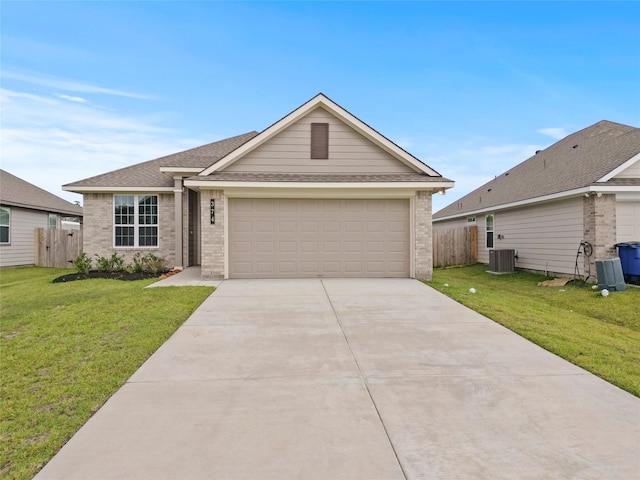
[[455, 246], [57, 247]]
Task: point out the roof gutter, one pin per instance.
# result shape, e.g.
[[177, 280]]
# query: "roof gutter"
[[436, 186], [88, 189], [586, 191]]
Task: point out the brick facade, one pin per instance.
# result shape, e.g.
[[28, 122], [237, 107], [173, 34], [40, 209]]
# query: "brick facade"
[[98, 228], [600, 227], [212, 236], [99, 231], [423, 261]]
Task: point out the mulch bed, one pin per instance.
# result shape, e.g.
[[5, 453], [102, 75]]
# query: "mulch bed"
[[122, 275]]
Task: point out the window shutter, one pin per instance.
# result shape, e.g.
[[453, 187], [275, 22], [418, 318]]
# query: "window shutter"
[[320, 140]]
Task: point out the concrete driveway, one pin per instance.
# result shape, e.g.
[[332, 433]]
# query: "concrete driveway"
[[353, 379]]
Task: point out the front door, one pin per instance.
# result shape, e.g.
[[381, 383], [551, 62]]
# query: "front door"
[[194, 228]]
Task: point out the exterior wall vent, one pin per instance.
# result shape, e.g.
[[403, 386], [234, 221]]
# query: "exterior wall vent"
[[502, 261]]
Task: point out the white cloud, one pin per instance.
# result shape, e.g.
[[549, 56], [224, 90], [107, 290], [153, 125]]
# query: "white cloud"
[[71, 98], [67, 85], [50, 141], [557, 133]]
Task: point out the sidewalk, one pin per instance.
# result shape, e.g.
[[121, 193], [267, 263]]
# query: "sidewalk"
[[189, 277]]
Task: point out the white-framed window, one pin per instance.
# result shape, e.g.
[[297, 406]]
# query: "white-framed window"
[[5, 225], [471, 220], [53, 220], [489, 224], [135, 220]]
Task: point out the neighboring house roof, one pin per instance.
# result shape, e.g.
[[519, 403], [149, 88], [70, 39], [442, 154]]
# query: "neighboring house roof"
[[18, 193], [583, 160], [158, 173]]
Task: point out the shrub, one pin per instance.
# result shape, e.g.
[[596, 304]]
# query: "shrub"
[[83, 263], [138, 264], [113, 264], [153, 263]]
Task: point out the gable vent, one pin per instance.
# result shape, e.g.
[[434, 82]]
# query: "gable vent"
[[320, 140]]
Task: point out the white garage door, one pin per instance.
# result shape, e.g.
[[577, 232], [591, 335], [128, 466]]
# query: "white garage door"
[[271, 238]]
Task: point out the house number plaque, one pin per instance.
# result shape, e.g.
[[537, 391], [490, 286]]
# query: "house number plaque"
[[213, 211]]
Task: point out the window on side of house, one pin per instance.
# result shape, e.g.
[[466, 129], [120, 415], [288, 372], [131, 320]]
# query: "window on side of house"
[[136, 220], [53, 220], [489, 230], [320, 141], [5, 225]]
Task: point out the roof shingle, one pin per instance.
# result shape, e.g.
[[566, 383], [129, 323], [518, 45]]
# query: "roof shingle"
[[19, 193], [577, 161], [148, 174]]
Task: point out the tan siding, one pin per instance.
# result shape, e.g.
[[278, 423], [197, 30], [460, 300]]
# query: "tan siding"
[[21, 250], [628, 221], [546, 236], [632, 172], [289, 151]]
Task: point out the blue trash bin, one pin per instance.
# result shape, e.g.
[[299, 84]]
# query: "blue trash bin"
[[629, 253]]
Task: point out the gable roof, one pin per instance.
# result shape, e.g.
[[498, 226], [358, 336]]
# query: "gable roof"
[[205, 165], [19, 193], [322, 101], [158, 174], [581, 161]]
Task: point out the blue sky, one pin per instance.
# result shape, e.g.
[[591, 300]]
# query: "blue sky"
[[470, 88]]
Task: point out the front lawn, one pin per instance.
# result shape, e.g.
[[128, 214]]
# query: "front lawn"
[[65, 348], [601, 335]]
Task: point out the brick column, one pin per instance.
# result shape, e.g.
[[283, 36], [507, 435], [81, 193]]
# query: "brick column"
[[599, 226], [423, 261], [212, 235]]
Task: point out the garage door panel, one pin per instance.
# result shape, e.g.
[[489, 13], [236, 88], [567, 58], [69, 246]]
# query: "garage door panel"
[[348, 238]]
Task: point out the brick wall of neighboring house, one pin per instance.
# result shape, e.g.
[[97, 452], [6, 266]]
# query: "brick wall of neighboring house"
[[212, 236], [423, 242], [99, 229], [600, 227]]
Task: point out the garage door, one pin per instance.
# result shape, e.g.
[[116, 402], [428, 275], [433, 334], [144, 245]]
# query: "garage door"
[[271, 238]]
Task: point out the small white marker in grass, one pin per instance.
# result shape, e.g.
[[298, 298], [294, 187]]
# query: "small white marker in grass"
[[472, 290], [604, 292]]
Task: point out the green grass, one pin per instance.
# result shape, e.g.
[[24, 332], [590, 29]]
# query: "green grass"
[[601, 335], [66, 348]]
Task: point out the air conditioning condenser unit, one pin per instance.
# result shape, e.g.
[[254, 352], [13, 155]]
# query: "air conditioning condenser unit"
[[502, 261]]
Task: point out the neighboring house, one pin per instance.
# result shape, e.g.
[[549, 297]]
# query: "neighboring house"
[[585, 187], [317, 194], [23, 208]]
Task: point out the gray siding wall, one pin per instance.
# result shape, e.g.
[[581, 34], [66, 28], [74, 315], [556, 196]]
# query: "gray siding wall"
[[98, 228], [289, 152], [628, 221], [21, 250], [632, 172], [453, 223], [546, 236]]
